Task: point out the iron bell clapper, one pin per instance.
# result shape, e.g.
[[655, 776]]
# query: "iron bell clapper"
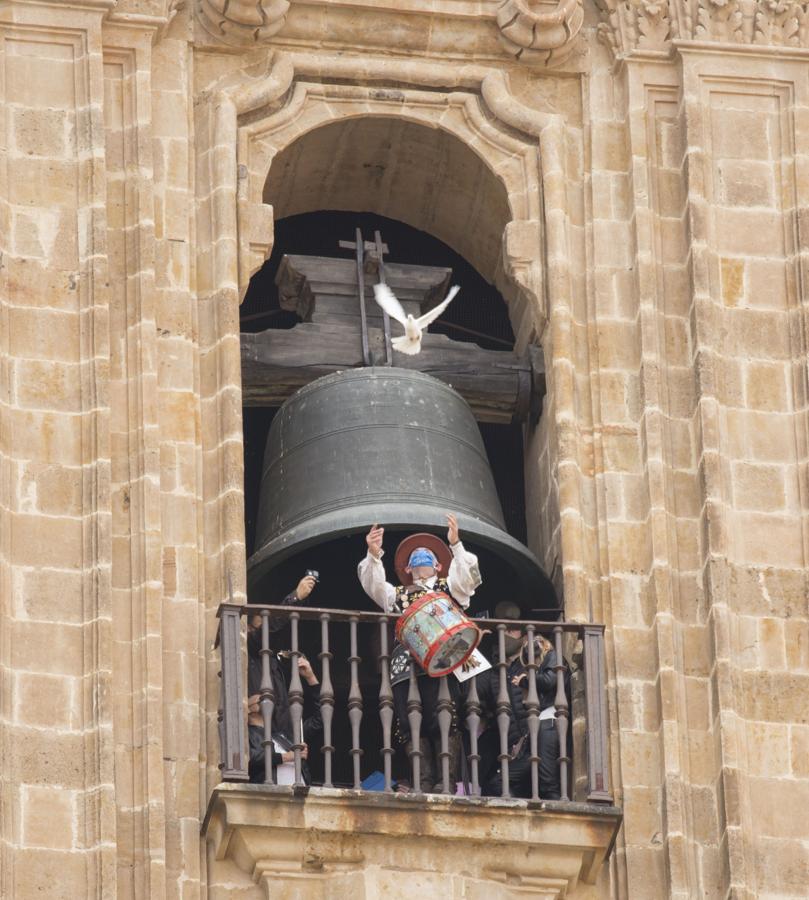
[[384, 445]]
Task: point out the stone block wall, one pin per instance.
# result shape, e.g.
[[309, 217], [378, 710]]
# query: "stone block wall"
[[56, 736], [713, 436], [652, 164]]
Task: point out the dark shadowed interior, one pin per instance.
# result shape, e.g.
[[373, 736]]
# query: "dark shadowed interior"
[[479, 315]]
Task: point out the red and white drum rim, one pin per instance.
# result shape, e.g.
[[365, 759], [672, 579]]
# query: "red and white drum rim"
[[447, 635]]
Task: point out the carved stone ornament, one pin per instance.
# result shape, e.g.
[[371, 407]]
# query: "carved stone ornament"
[[539, 30], [628, 25], [242, 22]]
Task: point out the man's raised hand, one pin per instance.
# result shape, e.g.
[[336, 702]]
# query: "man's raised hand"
[[374, 541], [452, 533]]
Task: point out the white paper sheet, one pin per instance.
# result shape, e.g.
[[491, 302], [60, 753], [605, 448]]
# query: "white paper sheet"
[[465, 672]]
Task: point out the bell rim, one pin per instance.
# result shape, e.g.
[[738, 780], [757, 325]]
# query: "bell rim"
[[534, 585]]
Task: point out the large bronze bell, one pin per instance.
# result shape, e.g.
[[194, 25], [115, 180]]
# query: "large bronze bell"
[[388, 446]]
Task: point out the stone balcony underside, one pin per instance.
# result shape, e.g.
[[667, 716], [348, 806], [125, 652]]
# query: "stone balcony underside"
[[333, 843]]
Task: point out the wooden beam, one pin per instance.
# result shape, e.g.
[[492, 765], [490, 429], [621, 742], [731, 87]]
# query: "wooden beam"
[[310, 285], [276, 363]]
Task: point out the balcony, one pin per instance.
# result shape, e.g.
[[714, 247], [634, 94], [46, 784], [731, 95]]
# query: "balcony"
[[334, 836]]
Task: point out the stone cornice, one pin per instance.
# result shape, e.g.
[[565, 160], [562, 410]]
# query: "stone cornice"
[[276, 78], [114, 12], [779, 51], [537, 32], [103, 6], [547, 848], [655, 25]]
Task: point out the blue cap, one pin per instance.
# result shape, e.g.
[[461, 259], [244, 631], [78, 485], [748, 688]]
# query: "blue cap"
[[421, 556]]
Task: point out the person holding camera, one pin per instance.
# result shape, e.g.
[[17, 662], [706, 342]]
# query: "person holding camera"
[[283, 756], [282, 731]]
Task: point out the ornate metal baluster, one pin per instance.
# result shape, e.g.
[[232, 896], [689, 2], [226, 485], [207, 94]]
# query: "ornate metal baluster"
[[326, 698], [472, 724], [355, 704], [532, 708], [503, 710], [444, 714], [414, 720], [562, 712], [385, 702], [296, 699], [234, 758], [267, 695], [598, 773]]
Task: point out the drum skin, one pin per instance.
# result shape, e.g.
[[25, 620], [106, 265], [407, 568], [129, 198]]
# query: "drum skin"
[[437, 633]]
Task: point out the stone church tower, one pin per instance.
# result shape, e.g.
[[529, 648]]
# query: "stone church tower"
[[633, 178]]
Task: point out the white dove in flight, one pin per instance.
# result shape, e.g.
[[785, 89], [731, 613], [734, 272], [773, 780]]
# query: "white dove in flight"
[[410, 341]]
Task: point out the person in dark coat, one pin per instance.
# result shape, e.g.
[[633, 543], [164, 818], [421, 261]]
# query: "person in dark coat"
[[282, 730], [517, 674], [283, 743]]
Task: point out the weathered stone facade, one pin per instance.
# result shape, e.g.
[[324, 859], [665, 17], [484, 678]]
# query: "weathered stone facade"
[[634, 176]]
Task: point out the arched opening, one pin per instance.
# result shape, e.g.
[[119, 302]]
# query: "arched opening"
[[436, 203], [437, 200], [482, 319], [393, 167]]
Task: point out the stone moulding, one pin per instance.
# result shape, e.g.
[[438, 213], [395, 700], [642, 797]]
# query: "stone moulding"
[[252, 114], [286, 81], [242, 22], [292, 94], [158, 24], [282, 838], [652, 25], [539, 30]]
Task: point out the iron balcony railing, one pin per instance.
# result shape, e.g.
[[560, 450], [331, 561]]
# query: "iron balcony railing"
[[345, 671]]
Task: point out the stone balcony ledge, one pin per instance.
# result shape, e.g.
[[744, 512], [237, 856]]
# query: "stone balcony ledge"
[[334, 843]]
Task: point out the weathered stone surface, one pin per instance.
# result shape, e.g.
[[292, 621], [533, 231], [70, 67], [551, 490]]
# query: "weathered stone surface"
[[646, 226], [381, 842]]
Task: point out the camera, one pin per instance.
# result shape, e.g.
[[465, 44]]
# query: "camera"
[[312, 573]]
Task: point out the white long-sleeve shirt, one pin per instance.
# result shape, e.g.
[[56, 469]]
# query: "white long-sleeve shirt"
[[462, 579]]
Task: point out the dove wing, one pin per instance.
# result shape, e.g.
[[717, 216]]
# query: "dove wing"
[[433, 314], [385, 297]]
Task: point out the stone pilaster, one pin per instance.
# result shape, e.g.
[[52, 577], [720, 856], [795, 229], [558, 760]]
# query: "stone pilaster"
[[716, 169], [137, 585], [57, 825]]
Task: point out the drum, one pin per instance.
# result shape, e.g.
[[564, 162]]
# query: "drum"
[[437, 633]]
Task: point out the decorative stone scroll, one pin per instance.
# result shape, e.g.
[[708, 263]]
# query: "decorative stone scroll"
[[242, 22], [539, 30], [629, 25]]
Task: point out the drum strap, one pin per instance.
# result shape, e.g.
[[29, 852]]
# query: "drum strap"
[[407, 595]]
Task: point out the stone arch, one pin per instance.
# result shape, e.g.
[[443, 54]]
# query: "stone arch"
[[503, 157], [424, 177], [246, 120]]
